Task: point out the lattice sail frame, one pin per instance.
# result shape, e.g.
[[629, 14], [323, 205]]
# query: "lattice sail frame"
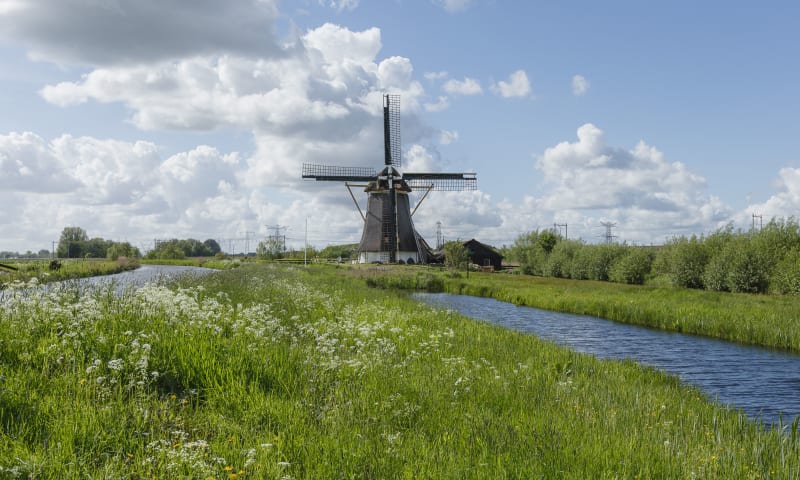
[[391, 130]]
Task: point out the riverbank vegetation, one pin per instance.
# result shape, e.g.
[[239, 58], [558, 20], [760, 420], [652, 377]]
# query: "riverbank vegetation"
[[218, 262], [271, 371], [763, 260], [45, 271], [766, 320]]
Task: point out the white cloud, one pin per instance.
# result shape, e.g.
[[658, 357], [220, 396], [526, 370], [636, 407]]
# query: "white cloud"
[[118, 32], [579, 85], [453, 6], [27, 164], [468, 86], [517, 85], [447, 137], [434, 76], [419, 159], [441, 104], [784, 203], [638, 188], [340, 5]]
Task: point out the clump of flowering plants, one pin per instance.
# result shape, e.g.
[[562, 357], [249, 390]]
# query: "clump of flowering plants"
[[281, 372]]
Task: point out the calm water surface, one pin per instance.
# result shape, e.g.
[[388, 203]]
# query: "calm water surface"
[[762, 382], [131, 278]]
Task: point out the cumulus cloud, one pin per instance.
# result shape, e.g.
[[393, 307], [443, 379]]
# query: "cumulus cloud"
[[434, 76], [124, 31], [447, 137], [441, 104], [516, 86], [579, 85], [340, 5], [27, 164], [468, 86], [637, 187], [333, 77], [453, 6], [784, 203]]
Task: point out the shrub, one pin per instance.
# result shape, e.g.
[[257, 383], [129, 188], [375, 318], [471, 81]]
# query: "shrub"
[[633, 267], [687, 262], [740, 267], [786, 275], [559, 261]]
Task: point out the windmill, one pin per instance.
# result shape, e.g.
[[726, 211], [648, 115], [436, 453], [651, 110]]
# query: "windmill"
[[389, 235]]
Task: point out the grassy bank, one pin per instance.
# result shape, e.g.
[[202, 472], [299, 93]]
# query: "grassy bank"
[[73, 268], [281, 372], [207, 262], [767, 320]]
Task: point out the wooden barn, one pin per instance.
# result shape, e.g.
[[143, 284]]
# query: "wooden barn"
[[483, 255]]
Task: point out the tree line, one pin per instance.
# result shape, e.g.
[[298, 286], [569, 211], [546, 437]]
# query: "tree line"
[[765, 260], [75, 243]]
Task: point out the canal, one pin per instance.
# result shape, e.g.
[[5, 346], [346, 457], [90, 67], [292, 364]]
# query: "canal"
[[763, 383]]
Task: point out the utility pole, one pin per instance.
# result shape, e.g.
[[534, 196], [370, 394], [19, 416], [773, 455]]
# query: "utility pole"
[[247, 242], [305, 245], [557, 227], [760, 221], [608, 236], [277, 239]]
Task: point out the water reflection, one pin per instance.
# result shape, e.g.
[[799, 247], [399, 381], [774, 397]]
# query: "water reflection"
[[122, 281], [762, 382]]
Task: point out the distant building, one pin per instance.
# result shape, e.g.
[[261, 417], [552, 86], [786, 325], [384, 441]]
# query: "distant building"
[[483, 255]]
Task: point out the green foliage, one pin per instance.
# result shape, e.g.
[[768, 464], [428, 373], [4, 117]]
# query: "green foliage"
[[786, 278], [527, 250], [123, 249], [547, 240], [725, 260], [345, 252], [71, 243], [273, 247], [69, 269], [741, 266], [213, 246], [687, 261], [455, 254], [559, 262], [632, 267], [75, 243], [177, 249], [279, 372]]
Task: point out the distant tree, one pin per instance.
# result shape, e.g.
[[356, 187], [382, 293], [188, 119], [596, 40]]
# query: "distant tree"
[[345, 252], [272, 248], [455, 254], [547, 240], [96, 248], [72, 242], [122, 249], [213, 246]]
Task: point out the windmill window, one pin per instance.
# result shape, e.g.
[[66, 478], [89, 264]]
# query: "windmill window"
[[486, 262]]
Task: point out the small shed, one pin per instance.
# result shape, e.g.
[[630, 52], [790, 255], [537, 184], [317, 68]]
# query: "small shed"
[[483, 255]]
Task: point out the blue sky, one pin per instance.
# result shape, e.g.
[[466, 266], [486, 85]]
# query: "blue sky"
[[143, 119]]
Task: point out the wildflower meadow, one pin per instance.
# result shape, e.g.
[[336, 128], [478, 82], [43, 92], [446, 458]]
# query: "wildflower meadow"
[[287, 372]]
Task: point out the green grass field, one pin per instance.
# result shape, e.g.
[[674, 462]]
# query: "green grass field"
[[282, 372], [767, 320], [73, 268]]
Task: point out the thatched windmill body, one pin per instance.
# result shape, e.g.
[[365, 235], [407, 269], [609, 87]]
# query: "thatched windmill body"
[[389, 235]]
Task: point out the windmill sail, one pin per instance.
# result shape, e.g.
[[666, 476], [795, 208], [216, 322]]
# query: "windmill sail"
[[389, 234], [391, 130]]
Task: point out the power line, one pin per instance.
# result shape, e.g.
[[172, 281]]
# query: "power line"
[[609, 238]]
